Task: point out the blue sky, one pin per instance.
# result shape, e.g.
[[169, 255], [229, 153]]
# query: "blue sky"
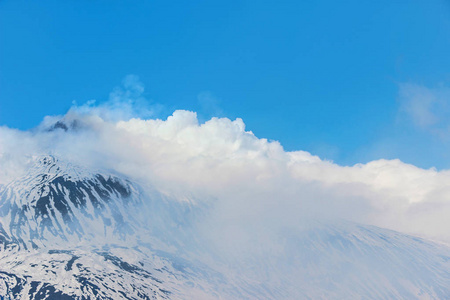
[[351, 81]]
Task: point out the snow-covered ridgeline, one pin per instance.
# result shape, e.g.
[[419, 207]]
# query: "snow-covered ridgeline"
[[57, 202]]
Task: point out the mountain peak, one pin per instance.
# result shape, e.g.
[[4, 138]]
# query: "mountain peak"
[[65, 125], [58, 201]]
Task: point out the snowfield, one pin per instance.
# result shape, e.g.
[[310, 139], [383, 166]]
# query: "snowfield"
[[71, 233]]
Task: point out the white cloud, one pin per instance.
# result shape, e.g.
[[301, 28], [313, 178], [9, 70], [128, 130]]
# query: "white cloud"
[[220, 160], [209, 104], [125, 101], [251, 182], [418, 102], [428, 108]]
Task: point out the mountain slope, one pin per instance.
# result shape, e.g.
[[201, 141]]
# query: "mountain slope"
[[57, 202], [72, 233]]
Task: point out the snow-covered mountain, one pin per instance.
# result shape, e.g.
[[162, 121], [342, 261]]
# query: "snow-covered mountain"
[[57, 202], [71, 233]]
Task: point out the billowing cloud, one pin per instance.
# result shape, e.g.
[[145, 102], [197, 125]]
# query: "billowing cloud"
[[252, 183]]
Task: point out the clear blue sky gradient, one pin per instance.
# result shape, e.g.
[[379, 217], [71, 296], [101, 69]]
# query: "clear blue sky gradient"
[[321, 76]]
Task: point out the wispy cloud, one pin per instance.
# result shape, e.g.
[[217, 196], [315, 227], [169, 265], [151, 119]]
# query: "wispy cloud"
[[427, 108], [125, 102], [209, 104]]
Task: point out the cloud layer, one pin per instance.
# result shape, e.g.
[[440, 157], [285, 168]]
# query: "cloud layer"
[[252, 182]]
